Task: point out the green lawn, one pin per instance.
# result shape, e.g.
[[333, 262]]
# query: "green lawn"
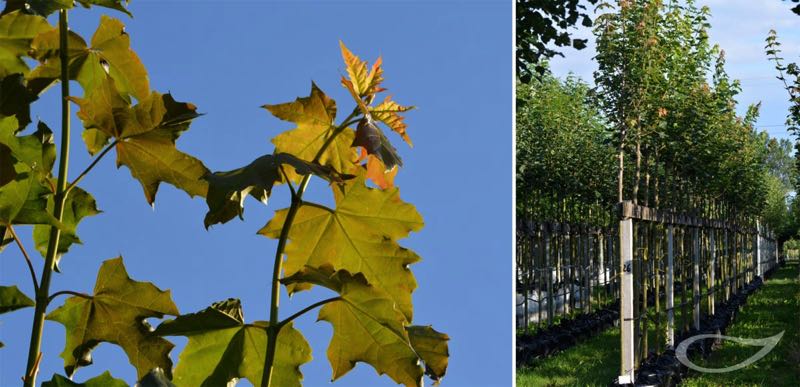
[[773, 308]]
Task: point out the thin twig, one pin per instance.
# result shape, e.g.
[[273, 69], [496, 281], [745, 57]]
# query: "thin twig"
[[288, 181], [89, 168], [306, 310], [70, 292], [27, 258]]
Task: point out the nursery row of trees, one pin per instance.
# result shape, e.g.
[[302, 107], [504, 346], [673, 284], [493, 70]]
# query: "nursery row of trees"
[[660, 127]]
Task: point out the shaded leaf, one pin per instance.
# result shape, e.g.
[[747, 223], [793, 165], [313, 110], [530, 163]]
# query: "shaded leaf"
[[366, 324], [11, 299], [109, 55], [15, 100], [78, 205], [371, 138], [222, 348], [119, 5], [314, 116], [359, 236], [116, 314], [227, 190], [7, 161], [24, 200], [146, 135], [17, 29], [5, 237], [155, 378], [431, 346], [38, 7], [103, 380]]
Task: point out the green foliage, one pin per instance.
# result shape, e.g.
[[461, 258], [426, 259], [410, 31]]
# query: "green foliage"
[[352, 249], [542, 23], [222, 348], [116, 313], [103, 380]]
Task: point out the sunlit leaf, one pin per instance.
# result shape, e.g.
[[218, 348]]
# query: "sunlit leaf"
[[11, 299], [377, 172], [110, 54], [358, 236], [146, 135], [314, 116], [363, 83], [227, 190], [222, 347], [388, 112], [103, 380], [366, 326], [116, 314], [17, 29]]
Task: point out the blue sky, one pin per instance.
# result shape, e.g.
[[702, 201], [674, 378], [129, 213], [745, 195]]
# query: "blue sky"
[[739, 27], [451, 59]]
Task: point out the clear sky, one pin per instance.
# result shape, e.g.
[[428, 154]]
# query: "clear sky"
[[740, 28], [451, 59]]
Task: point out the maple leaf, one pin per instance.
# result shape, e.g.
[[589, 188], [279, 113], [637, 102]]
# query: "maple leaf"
[[23, 200], [359, 236], [431, 346], [222, 348], [116, 314], [388, 112], [38, 7], [109, 55], [377, 172], [368, 327], [314, 116], [17, 30], [227, 190], [78, 205], [146, 135], [11, 299], [103, 380], [15, 100], [370, 137], [362, 83]]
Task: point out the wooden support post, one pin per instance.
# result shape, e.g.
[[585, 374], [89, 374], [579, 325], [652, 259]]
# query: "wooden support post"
[[670, 288], [711, 274], [549, 273], [626, 301], [758, 250], [696, 276]]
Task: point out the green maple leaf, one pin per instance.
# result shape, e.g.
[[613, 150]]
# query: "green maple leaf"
[[38, 7], [78, 205], [23, 200], [11, 299], [146, 135], [17, 30], [314, 116], [116, 314], [103, 380], [222, 347], [431, 346], [368, 327], [110, 54], [359, 236], [227, 190]]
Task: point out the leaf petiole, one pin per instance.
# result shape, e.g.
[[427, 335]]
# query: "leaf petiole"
[[89, 168], [27, 258], [306, 310], [70, 292]]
